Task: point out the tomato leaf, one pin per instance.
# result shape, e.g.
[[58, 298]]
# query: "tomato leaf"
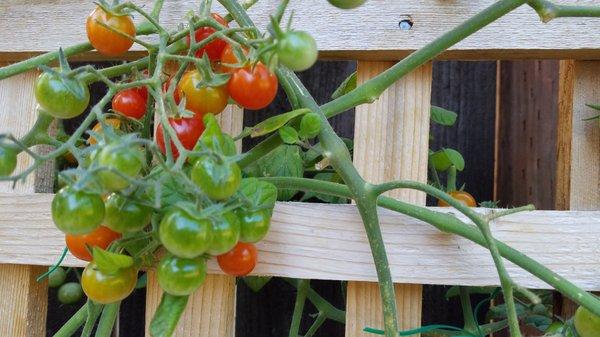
[[442, 116], [108, 262], [214, 139], [256, 283], [594, 106], [284, 161], [272, 124], [443, 159], [260, 194], [167, 315], [289, 135], [348, 85]]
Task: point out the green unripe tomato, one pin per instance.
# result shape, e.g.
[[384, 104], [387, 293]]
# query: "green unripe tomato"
[[347, 4], [57, 277], [254, 225], [226, 233], [77, 212], [128, 161], [310, 125], [185, 235], [218, 180], [586, 323], [180, 277], [124, 215], [8, 161], [297, 50], [60, 97], [70, 293]]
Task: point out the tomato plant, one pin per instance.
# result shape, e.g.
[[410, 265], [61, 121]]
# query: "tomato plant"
[[105, 288], [254, 224], [119, 163], [98, 129], [217, 178], [57, 277], [297, 50], [124, 215], [108, 41], [254, 87], [226, 233], [228, 59], [239, 261], [61, 96], [214, 48], [201, 99], [188, 131], [130, 103], [80, 245], [185, 235], [180, 276], [70, 293], [77, 212]]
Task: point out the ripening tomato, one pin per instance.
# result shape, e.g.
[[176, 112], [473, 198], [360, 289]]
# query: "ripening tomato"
[[253, 87], [106, 288], [106, 41], [61, 97], [228, 57], [130, 103], [180, 276], [101, 237], [297, 50], [214, 48], [586, 323], [201, 99], [128, 161], [113, 122], [188, 131], [185, 235], [347, 4], [77, 212], [239, 261], [464, 197]]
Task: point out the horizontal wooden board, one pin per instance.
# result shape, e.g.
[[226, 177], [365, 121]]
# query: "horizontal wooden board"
[[34, 26], [321, 241]]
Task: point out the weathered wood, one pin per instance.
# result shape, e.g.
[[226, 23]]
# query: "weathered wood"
[[340, 33], [564, 134], [24, 303]]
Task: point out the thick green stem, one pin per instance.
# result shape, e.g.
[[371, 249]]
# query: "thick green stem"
[[320, 303], [467, 309], [549, 11], [73, 324], [299, 308], [107, 320]]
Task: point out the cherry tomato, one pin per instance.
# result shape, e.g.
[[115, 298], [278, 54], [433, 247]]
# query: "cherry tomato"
[[253, 87], [347, 4], [214, 48], [239, 261], [254, 224], [179, 276], [8, 161], [70, 293], [464, 197], [226, 233], [57, 277], [201, 100], [228, 57], [113, 122], [107, 288], [188, 131], [218, 180], [297, 50], [79, 245], [77, 212], [126, 160], [124, 215], [185, 235], [586, 323], [60, 97], [130, 103], [106, 41]]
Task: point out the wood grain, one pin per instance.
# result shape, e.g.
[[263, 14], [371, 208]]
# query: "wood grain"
[[339, 33], [566, 74], [391, 141], [24, 303]]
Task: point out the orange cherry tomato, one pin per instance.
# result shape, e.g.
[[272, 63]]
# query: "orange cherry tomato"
[[239, 261], [464, 197], [106, 41], [101, 237], [201, 100], [253, 87], [115, 123], [228, 57]]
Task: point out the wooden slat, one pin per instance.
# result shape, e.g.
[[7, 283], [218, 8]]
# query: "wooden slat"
[[564, 134], [210, 311], [339, 33], [391, 141], [24, 303]]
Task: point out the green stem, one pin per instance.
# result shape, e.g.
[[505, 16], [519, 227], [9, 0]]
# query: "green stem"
[[451, 179], [107, 320], [321, 304], [73, 324], [467, 309], [316, 325], [94, 311], [549, 11], [299, 308]]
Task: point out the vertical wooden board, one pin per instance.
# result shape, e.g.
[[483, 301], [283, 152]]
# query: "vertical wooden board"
[[210, 311], [24, 304], [390, 143]]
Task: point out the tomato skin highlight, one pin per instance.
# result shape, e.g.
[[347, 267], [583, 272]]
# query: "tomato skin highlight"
[[57, 99], [218, 181], [180, 276], [465, 198], [130, 103], [108, 288], [201, 100], [77, 212], [124, 215], [586, 323], [239, 261], [104, 40], [214, 48], [188, 131], [184, 235], [297, 50], [254, 224], [226, 233], [253, 88], [101, 237]]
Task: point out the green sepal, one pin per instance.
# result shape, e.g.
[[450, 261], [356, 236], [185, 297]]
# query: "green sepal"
[[108, 262]]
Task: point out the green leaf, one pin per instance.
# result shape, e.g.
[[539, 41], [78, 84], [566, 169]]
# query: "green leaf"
[[289, 135], [166, 189], [443, 159], [348, 85], [273, 124], [283, 161], [108, 262], [261, 194], [167, 315], [256, 283], [442, 116], [330, 177], [594, 106], [214, 139]]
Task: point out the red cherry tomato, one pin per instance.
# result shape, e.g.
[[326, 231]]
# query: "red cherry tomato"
[[101, 237], [464, 197], [228, 57], [130, 103], [239, 261], [105, 40], [214, 48], [253, 88], [188, 131]]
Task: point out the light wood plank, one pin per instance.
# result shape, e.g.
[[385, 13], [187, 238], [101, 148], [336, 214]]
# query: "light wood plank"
[[391, 143], [24, 303], [339, 33]]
